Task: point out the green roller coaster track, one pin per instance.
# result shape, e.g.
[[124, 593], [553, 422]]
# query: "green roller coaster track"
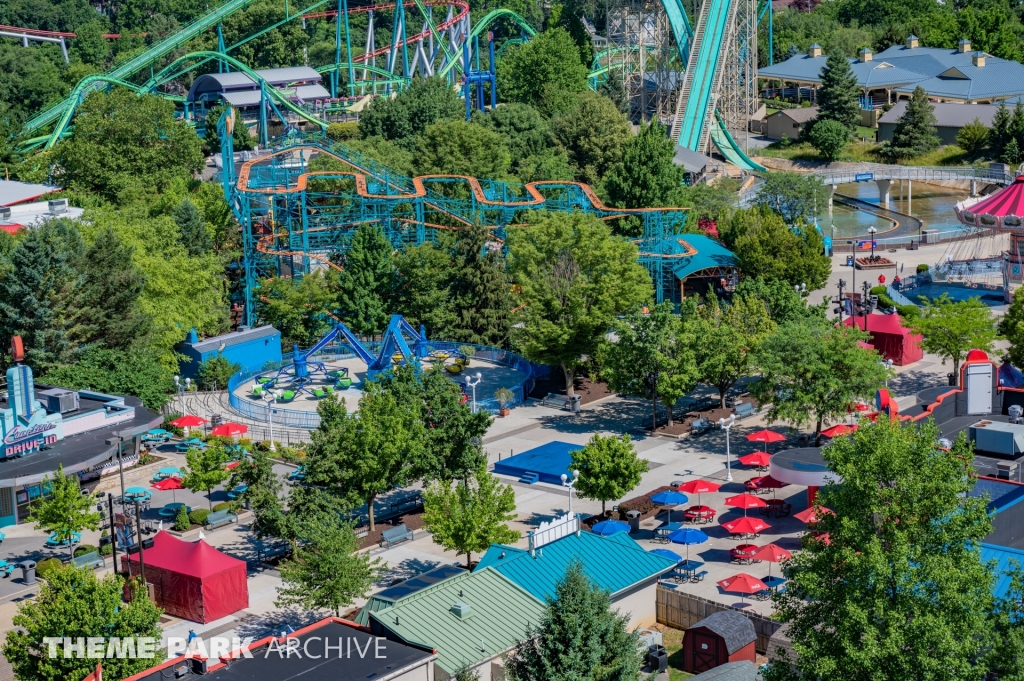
[[484, 23]]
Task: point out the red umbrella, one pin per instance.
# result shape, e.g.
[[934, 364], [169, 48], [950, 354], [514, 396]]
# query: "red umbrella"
[[168, 483], [812, 514], [233, 464], [742, 584], [819, 536], [765, 482], [188, 422], [773, 553], [699, 487], [745, 501], [746, 525], [759, 459], [229, 429], [765, 436], [841, 429]]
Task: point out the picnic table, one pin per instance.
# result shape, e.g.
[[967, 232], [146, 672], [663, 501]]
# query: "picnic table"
[[776, 507], [156, 435], [237, 492], [7, 568], [700, 514], [194, 443], [167, 472], [773, 583], [665, 530], [52, 540], [171, 510], [743, 553], [688, 568]]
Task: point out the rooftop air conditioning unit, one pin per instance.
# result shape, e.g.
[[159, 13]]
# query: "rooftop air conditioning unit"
[[60, 400], [58, 206], [5, 214]]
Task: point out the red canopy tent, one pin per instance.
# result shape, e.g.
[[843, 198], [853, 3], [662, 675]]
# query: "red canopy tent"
[[192, 580], [890, 338]]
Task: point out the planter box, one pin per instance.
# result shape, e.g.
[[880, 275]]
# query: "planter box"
[[877, 264]]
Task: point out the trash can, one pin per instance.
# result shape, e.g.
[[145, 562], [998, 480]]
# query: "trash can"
[[574, 404], [849, 261], [28, 571], [633, 518], [657, 659], [951, 378]]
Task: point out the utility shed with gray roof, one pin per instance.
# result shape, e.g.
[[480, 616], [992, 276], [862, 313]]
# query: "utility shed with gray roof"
[[730, 671], [725, 636], [949, 119]]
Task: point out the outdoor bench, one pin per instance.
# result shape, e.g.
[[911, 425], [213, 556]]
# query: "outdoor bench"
[[701, 425], [218, 518], [395, 535], [744, 409], [89, 560], [265, 552], [409, 503], [699, 577]]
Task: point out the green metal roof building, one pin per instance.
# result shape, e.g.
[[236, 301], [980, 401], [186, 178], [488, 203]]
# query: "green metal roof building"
[[469, 619], [392, 595]]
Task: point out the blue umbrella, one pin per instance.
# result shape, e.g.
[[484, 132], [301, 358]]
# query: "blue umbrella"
[[665, 553], [687, 536], [669, 498], [607, 527]]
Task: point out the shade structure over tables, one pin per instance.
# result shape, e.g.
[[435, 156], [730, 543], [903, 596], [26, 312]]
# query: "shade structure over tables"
[[771, 553], [812, 514], [699, 487], [765, 436], [742, 584], [192, 580], [837, 430], [608, 527], [188, 421], [687, 536], [745, 501], [229, 429], [669, 498], [665, 553], [890, 338], [746, 525], [759, 459]]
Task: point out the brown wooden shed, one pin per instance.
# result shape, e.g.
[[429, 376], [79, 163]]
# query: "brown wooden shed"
[[726, 636]]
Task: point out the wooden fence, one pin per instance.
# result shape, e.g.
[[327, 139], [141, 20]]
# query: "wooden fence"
[[682, 610]]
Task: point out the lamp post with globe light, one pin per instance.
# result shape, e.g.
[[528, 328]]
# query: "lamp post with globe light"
[[567, 483]]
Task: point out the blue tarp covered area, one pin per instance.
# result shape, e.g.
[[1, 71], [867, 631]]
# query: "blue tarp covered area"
[[549, 462]]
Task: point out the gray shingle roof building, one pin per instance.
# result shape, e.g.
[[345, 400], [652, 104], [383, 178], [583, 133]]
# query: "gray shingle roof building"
[[949, 118], [736, 630], [730, 671], [957, 75], [300, 83]]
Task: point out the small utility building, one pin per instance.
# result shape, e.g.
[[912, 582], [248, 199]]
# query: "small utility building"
[[724, 637], [249, 348], [788, 122]]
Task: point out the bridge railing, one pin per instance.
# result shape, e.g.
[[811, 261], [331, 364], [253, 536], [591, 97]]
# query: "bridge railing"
[[867, 172]]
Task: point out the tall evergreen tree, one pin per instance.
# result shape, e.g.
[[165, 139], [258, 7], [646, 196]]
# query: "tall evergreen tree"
[[480, 290], [580, 638], [40, 297], [837, 98], [646, 175], [915, 132], [111, 293], [367, 284], [1000, 134], [193, 233]]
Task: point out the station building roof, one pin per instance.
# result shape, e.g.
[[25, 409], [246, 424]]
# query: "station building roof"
[[241, 90]]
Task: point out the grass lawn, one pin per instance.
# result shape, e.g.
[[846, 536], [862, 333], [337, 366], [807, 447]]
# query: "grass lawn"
[[867, 152], [672, 639]]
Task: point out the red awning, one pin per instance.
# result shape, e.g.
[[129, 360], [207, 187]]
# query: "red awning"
[[1006, 201], [890, 338]]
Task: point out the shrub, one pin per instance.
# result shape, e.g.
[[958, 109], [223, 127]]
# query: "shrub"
[[106, 549], [922, 268], [181, 521], [47, 565], [222, 506], [198, 516], [829, 138], [341, 132], [245, 442], [908, 311], [83, 549], [973, 137], [290, 454]]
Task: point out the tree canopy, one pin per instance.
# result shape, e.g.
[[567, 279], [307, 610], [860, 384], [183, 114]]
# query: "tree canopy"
[[765, 246], [544, 72], [951, 328], [837, 96], [609, 468]]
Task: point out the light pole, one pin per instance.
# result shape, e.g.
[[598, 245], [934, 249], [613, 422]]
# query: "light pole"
[[566, 483], [726, 425], [270, 396], [865, 303], [842, 285], [800, 289], [872, 231], [470, 383], [182, 387]]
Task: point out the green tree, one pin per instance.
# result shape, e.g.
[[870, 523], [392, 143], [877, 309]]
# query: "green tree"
[[136, 371], [544, 72], [899, 590], [326, 570], [728, 339], [423, 280], [764, 246], [609, 468], [66, 511], [1007, 655], [811, 373], [123, 140], [111, 292], [614, 88], [915, 132], [829, 138], [262, 493], [216, 371], [794, 196], [574, 278], [479, 290], [296, 307], [403, 119], [973, 137], [367, 282], [651, 358], [1011, 327], [1000, 135], [205, 470], [580, 637], [593, 132], [526, 133], [241, 138], [468, 516], [89, 44], [951, 328], [646, 175], [837, 96], [75, 603], [361, 456], [194, 236], [454, 147], [783, 303], [1012, 153]]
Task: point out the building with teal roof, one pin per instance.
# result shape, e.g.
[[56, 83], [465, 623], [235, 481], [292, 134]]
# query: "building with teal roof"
[[615, 563], [695, 263], [470, 620]]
